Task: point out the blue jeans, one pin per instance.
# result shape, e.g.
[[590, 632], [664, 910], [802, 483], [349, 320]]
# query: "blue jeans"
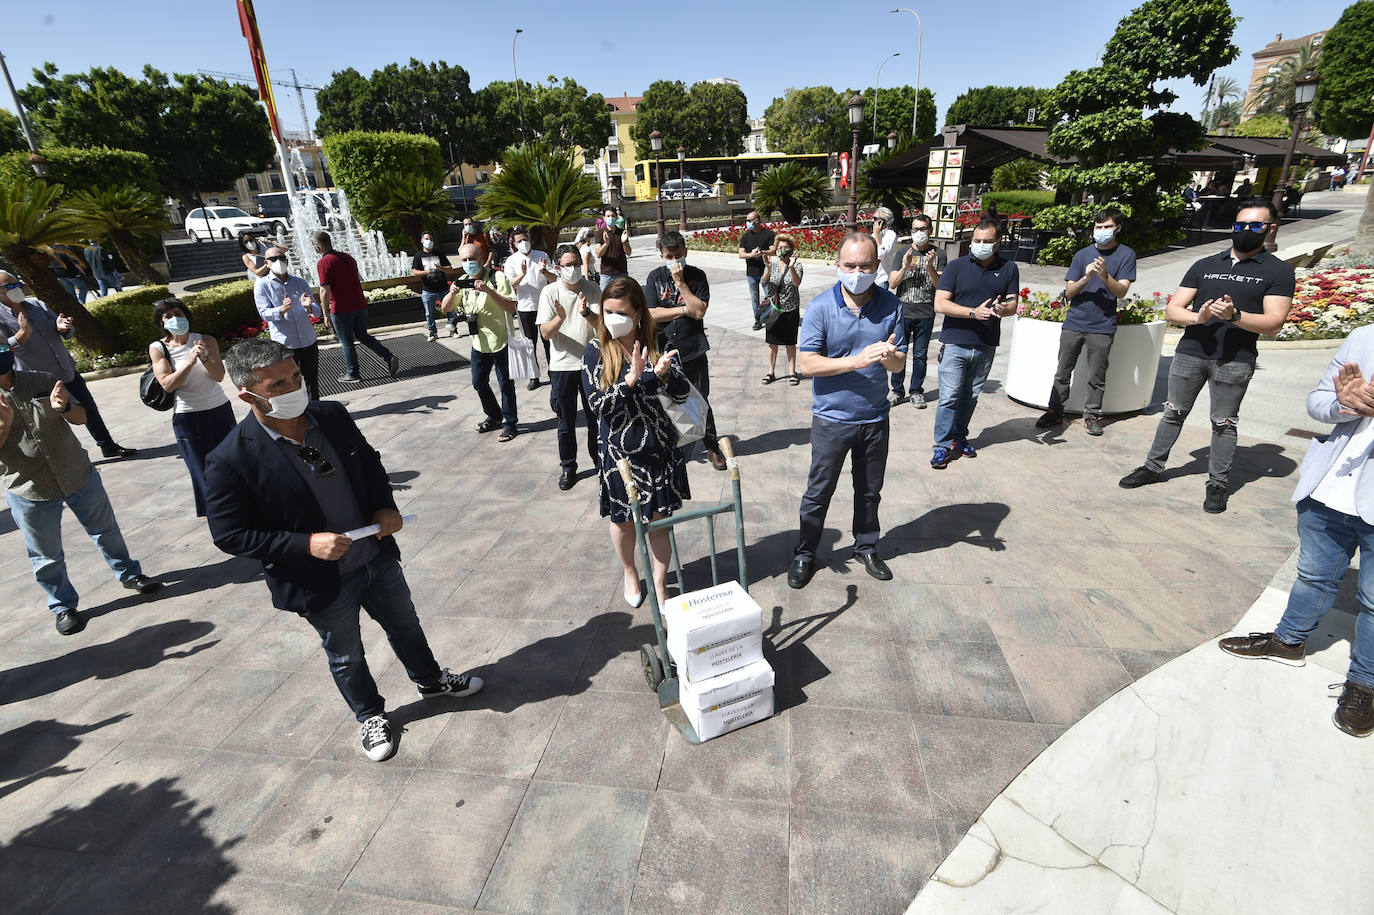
[[430, 301], [41, 523], [962, 371], [1329, 539], [379, 588], [917, 332], [482, 366], [1226, 385], [753, 283], [607, 277], [77, 286], [352, 328]]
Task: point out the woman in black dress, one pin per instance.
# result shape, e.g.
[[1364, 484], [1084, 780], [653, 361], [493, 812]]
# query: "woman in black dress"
[[783, 281], [622, 374]]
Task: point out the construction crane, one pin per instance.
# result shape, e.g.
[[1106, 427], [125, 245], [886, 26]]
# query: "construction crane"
[[293, 84]]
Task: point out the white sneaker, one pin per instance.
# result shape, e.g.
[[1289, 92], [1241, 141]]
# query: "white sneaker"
[[378, 742]]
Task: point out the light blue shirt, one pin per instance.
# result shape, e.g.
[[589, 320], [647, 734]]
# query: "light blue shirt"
[[293, 329], [830, 329]]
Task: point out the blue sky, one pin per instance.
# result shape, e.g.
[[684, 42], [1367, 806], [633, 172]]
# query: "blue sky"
[[616, 47]]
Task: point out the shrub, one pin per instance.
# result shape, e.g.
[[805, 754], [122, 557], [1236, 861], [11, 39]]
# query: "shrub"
[[359, 158], [129, 315], [82, 169], [791, 189], [1027, 202], [1018, 175], [223, 308]]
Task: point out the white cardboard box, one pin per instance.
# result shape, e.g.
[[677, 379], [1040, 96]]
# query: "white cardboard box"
[[730, 701], [713, 631]]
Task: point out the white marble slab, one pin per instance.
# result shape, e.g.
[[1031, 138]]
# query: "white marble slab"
[[1215, 784]]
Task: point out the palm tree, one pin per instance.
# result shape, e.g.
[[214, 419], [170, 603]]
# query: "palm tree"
[[539, 186], [123, 214], [414, 202], [791, 188], [1225, 90], [31, 222], [1276, 94]]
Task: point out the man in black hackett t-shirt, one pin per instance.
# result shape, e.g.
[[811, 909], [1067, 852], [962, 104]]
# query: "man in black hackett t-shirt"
[[434, 271], [1225, 302], [756, 245]]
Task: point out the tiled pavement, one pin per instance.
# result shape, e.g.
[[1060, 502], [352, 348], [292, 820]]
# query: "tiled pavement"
[[191, 753]]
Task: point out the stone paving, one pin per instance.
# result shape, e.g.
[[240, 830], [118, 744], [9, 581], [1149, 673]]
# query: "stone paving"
[[193, 750]]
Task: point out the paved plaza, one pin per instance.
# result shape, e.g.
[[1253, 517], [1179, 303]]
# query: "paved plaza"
[[191, 753]]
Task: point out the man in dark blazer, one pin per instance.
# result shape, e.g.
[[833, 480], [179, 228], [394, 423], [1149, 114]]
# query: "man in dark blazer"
[[283, 488]]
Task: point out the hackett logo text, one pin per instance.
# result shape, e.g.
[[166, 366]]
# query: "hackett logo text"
[[1233, 277]]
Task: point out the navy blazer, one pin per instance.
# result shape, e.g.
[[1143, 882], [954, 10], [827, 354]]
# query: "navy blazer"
[[259, 506]]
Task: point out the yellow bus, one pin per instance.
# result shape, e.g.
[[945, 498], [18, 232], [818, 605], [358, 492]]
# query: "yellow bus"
[[738, 172]]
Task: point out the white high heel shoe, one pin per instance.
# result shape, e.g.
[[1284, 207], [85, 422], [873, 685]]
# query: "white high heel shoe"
[[635, 600]]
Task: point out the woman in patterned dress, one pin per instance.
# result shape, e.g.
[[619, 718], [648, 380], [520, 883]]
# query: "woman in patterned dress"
[[622, 374], [783, 278]]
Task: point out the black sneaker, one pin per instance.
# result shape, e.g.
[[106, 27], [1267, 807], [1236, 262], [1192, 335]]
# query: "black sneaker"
[[758, 325], [433, 338], [534, 383], [1049, 419], [451, 684], [346, 378], [393, 365], [1264, 645], [1214, 503], [70, 622], [378, 742], [1141, 476], [1355, 710], [142, 584]]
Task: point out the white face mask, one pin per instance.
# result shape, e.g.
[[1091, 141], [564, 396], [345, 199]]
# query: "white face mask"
[[279, 268], [428, 243], [982, 250], [177, 326], [570, 275], [920, 238], [14, 295], [288, 405], [467, 228], [523, 247], [668, 261], [618, 325], [856, 283], [1103, 236]]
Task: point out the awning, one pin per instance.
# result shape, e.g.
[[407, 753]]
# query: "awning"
[[1269, 151]]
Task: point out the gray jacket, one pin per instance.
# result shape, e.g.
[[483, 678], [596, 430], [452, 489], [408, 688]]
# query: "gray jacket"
[[1323, 407]]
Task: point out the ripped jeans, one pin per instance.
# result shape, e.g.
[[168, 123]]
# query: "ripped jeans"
[[1226, 383]]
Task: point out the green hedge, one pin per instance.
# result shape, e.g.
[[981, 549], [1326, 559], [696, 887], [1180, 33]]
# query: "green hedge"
[[357, 158], [1028, 202], [79, 169], [215, 311]]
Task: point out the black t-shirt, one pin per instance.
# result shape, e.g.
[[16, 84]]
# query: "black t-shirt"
[[761, 239], [684, 334], [1247, 283], [428, 261], [614, 260]]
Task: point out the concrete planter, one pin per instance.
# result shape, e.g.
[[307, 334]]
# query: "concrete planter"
[[395, 311], [1131, 370]]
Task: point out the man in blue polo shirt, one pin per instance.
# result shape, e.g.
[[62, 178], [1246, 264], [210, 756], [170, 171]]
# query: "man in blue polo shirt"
[[1224, 303], [975, 293], [851, 340], [1099, 275]]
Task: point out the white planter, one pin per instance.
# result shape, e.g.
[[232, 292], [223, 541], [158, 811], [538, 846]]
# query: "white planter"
[[1131, 368]]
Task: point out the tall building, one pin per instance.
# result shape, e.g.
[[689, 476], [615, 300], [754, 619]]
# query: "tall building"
[[615, 167], [1269, 61], [755, 142]]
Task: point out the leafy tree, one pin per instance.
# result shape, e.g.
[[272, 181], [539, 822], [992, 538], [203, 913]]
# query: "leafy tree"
[[31, 222], [894, 116], [710, 119], [541, 187], [1344, 106], [123, 214], [810, 120], [1099, 121], [996, 105], [896, 199], [11, 134], [199, 133], [1229, 112], [84, 169], [791, 188], [360, 159], [413, 202], [1264, 125], [1019, 175], [562, 115], [434, 100]]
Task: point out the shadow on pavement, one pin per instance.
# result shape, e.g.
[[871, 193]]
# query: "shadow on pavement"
[[428, 404], [1252, 462], [794, 664], [144, 454], [138, 650], [777, 440], [974, 523], [7, 525], [34, 751], [235, 570]]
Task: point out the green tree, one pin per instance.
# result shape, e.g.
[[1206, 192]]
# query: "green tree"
[[791, 188], [1019, 175], [83, 169], [1264, 125], [541, 187], [1275, 94], [1099, 121], [810, 120], [894, 116], [360, 159], [896, 199], [710, 119], [1225, 90], [1344, 106], [990, 106], [201, 134], [11, 134], [563, 115], [31, 222], [412, 203], [123, 214]]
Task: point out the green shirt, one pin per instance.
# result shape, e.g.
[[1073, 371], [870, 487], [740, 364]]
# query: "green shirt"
[[493, 322], [41, 458]]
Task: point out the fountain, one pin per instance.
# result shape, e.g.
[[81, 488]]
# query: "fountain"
[[312, 210]]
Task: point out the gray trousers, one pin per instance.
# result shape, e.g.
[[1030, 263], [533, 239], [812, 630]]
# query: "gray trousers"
[[866, 446], [1226, 384], [1071, 343]]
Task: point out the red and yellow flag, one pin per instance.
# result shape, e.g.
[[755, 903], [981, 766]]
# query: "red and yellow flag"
[[248, 20]]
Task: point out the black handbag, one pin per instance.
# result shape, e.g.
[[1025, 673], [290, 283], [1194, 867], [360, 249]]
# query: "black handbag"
[[151, 391]]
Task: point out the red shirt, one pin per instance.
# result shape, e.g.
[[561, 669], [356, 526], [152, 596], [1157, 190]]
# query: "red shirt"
[[339, 271]]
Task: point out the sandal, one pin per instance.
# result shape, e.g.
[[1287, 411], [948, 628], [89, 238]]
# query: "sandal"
[[769, 378], [507, 434], [488, 425], [796, 378]]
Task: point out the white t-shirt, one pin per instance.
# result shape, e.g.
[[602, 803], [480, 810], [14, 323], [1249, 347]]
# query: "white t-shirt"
[[889, 257], [527, 293], [568, 345], [1337, 489]]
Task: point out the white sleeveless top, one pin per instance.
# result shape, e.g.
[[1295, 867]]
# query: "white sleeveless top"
[[199, 391]]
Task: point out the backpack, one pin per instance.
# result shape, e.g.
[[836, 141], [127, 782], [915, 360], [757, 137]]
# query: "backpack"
[[151, 392]]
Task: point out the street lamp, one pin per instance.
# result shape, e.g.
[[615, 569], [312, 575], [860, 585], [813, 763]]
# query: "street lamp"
[[516, 70], [1304, 90], [38, 164], [682, 182], [876, 79], [856, 121], [656, 139], [920, 39], [892, 139]]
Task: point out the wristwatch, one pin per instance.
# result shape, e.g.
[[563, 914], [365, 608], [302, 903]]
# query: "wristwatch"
[[1235, 314]]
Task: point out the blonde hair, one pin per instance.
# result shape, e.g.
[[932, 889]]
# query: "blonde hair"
[[612, 353], [784, 237]]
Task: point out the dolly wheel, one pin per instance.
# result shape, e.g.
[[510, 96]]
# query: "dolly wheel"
[[653, 667]]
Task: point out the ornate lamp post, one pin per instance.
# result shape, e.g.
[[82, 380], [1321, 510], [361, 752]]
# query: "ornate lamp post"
[[1304, 91], [682, 180], [656, 139], [856, 121]]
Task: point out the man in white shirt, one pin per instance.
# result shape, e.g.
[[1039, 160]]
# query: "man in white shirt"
[[528, 272], [568, 321], [889, 255], [1335, 516]]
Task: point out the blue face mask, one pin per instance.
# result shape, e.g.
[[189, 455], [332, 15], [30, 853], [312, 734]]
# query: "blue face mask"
[[1103, 236], [177, 326], [982, 250], [472, 268]]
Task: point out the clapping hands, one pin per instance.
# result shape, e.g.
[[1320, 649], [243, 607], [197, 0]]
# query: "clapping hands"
[[1353, 392]]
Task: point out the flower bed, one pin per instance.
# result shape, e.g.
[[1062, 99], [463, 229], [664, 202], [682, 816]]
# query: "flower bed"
[[1133, 309], [823, 242], [1331, 300]]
